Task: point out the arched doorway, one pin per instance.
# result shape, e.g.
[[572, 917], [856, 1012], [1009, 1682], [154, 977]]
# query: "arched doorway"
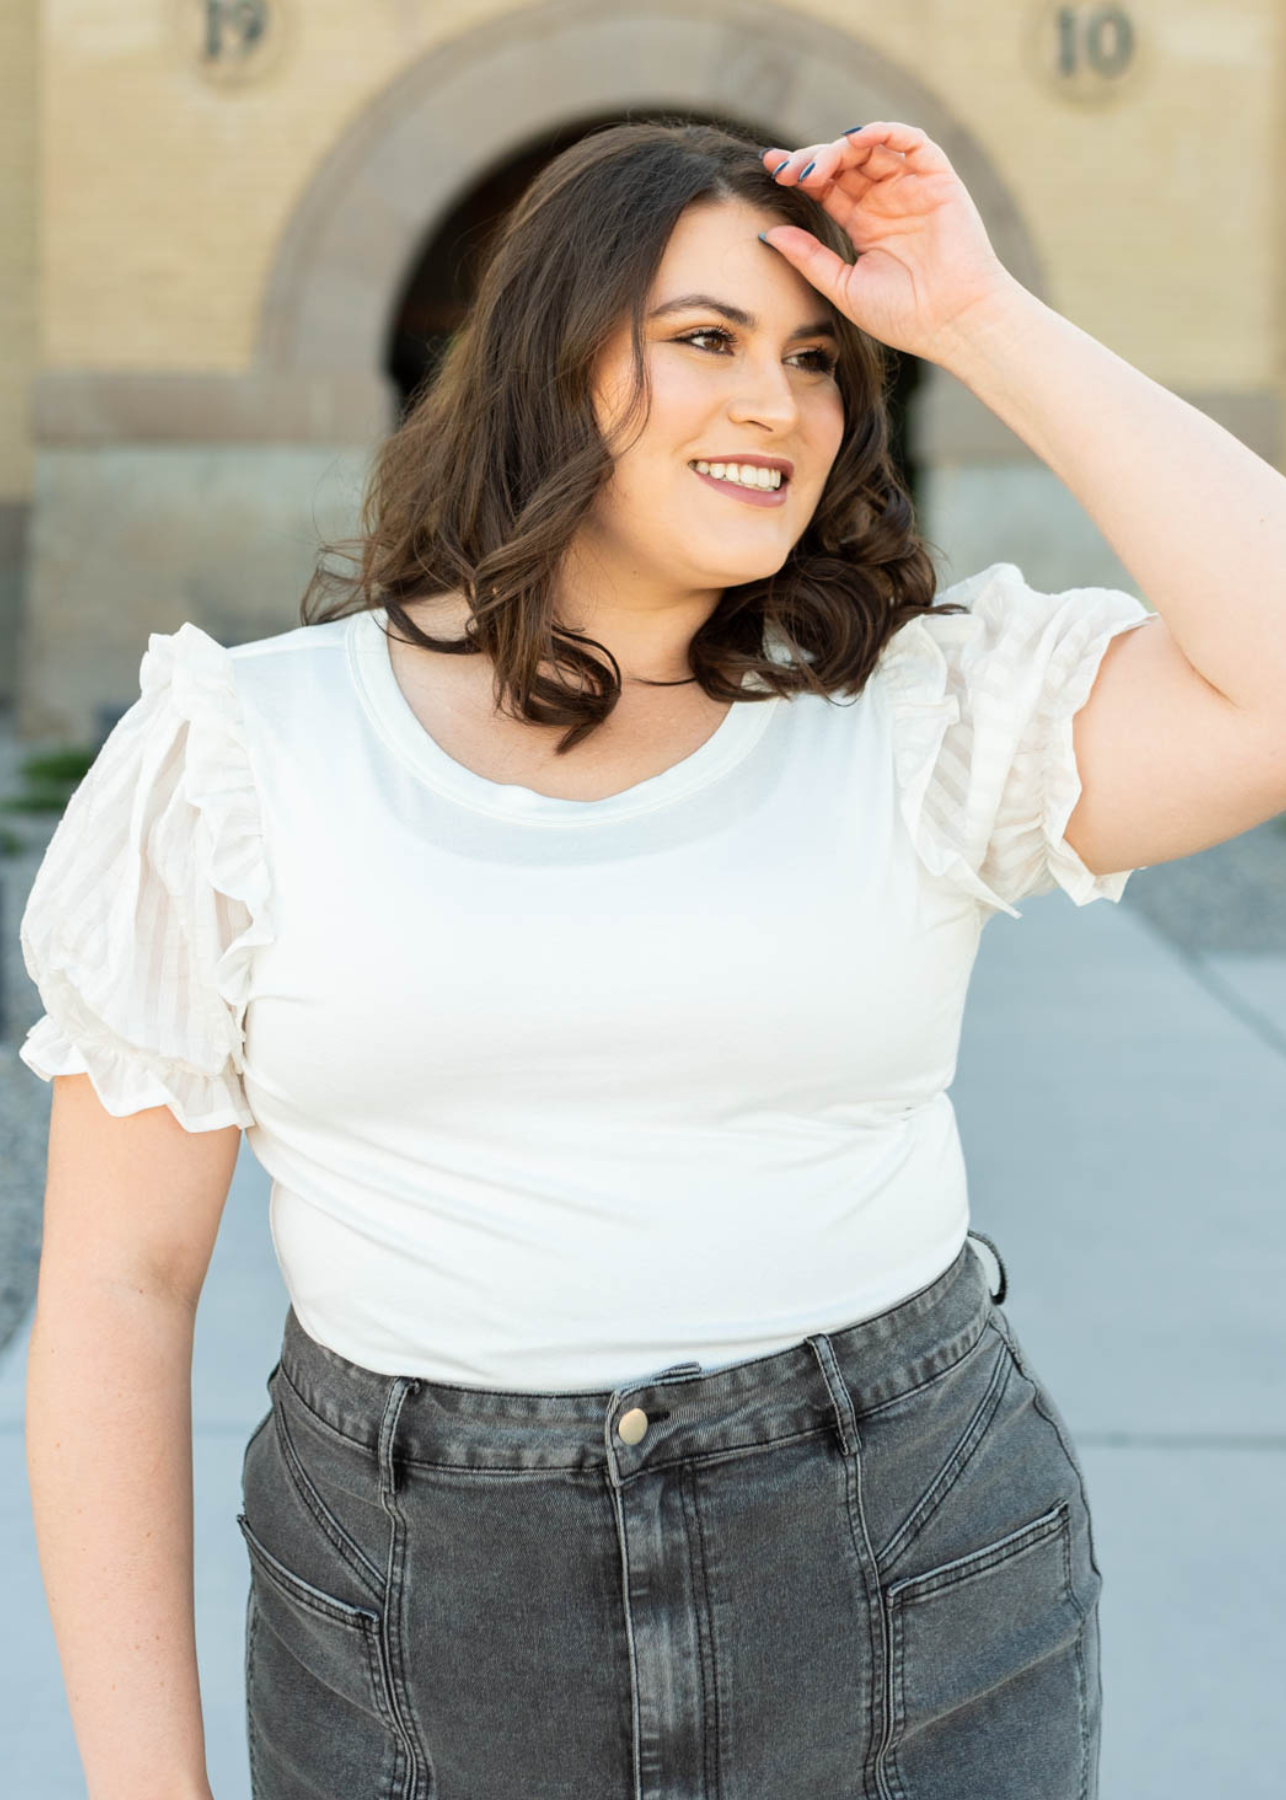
[[375, 262]]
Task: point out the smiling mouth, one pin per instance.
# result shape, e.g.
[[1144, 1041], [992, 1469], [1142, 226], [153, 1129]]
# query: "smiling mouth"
[[753, 476], [747, 493]]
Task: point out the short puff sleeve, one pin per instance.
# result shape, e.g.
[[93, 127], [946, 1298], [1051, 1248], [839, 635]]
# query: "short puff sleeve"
[[982, 706], [151, 899]]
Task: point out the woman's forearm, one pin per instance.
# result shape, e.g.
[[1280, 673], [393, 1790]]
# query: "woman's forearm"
[[109, 1460], [1197, 518]]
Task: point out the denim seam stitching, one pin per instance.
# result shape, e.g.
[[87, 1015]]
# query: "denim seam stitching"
[[375, 1667], [419, 1778], [966, 1448], [895, 1725], [1082, 1685], [850, 1439], [1068, 1585], [252, 1634], [710, 1687], [628, 1620], [345, 1546], [1078, 1649], [881, 1647]]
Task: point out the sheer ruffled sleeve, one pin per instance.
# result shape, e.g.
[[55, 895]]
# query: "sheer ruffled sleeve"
[[982, 706], [152, 896]]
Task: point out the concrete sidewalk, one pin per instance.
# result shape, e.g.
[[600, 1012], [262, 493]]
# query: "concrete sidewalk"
[[1123, 1109]]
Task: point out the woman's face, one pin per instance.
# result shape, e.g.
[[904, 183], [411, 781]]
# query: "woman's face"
[[724, 389]]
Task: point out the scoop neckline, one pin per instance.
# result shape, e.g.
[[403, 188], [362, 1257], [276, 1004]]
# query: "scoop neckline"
[[389, 710]]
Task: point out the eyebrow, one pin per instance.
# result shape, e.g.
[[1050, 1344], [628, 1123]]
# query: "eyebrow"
[[708, 303]]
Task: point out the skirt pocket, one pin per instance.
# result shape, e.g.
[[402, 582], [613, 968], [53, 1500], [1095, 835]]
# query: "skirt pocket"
[[987, 1682], [321, 1713], [318, 1715], [302, 1612]]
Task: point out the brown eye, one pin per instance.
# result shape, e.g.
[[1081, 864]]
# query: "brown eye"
[[825, 362], [712, 332]]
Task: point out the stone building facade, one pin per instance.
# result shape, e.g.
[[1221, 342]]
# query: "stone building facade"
[[229, 230]]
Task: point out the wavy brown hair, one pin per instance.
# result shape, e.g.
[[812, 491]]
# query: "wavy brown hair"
[[483, 485]]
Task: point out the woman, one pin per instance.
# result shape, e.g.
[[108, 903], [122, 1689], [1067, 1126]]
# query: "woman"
[[578, 919]]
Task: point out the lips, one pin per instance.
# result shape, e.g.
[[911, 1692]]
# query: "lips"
[[750, 496]]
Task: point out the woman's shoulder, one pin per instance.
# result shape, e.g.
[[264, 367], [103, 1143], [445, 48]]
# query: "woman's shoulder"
[[294, 643], [300, 637], [299, 669], [191, 653]]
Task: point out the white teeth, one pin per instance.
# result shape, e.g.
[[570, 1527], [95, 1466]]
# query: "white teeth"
[[744, 474]]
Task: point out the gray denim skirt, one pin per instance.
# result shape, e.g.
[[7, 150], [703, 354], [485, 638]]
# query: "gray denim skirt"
[[859, 1567]]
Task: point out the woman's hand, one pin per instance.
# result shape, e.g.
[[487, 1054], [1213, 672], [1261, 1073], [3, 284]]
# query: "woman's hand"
[[924, 258]]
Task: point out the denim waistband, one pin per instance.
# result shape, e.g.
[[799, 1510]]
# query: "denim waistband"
[[683, 1411]]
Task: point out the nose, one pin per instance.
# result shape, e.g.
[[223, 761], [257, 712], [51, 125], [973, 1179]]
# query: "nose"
[[766, 397]]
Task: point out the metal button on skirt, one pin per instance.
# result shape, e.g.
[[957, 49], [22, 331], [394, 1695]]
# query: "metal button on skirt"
[[860, 1567]]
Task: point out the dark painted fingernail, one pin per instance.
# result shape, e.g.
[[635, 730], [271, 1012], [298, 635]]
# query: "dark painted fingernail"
[[851, 129], [804, 172], [780, 166]]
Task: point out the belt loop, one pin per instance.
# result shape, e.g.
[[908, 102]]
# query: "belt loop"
[[399, 1388], [999, 1296], [841, 1400]]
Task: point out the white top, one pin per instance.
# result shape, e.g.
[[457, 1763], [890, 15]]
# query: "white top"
[[556, 1093]]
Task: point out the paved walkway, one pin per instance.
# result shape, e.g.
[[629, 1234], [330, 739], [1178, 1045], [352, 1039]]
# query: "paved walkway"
[[1123, 1108]]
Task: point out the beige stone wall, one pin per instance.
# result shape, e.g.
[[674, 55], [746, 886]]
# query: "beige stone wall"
[[1275, 153], [19, 319], [135, 538], [164, 194], [18, 242]]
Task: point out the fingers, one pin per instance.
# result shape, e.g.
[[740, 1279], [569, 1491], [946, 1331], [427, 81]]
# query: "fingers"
[[831, 167], [787, 165], [832, 179], [877, 150], [916, 145]]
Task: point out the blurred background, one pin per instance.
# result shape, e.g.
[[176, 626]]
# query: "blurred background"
[[234, 236]]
